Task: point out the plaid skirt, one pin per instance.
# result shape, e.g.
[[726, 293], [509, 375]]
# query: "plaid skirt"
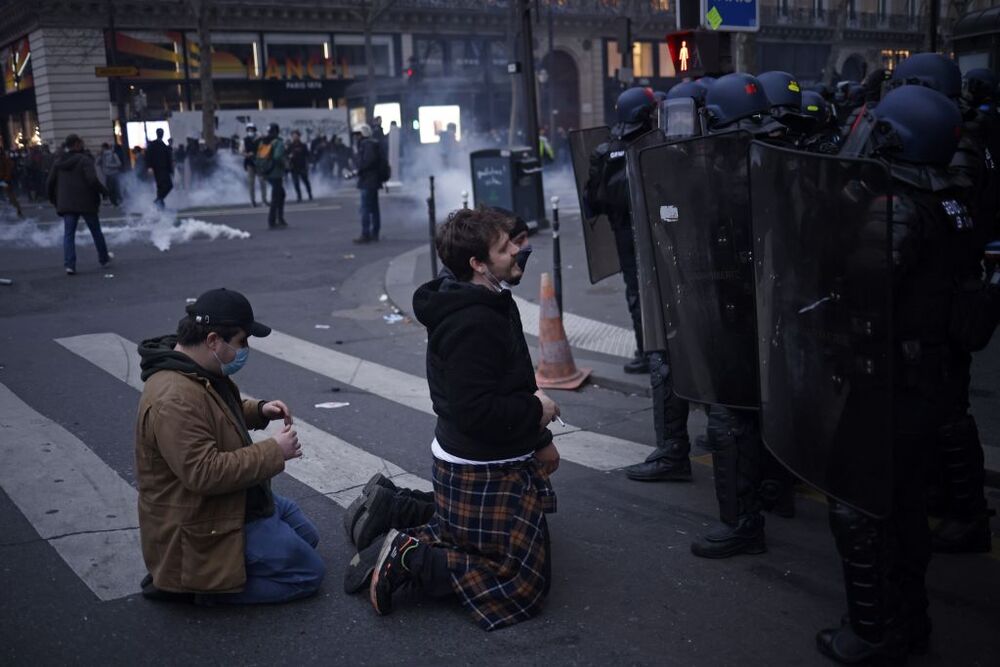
[[491, 520]]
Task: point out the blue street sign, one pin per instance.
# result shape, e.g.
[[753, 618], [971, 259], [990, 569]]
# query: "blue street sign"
[[731, 15]]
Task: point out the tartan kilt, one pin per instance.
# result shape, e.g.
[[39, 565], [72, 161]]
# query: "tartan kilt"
[[491, 520]]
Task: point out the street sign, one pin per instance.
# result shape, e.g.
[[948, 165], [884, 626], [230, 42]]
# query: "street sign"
[[116, 71], [731, 15]]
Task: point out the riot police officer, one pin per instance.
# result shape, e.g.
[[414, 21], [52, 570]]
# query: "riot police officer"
[[670, 460], [737, 101], [785, 94], [885, 560], [607, 192], [824, 137], [965, 526]]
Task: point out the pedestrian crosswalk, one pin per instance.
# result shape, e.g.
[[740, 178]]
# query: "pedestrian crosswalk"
[[85, 509]]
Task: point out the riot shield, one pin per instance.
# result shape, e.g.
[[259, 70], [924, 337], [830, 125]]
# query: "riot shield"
[[697, 199], [650, 299], [821, 231], [599, 239]]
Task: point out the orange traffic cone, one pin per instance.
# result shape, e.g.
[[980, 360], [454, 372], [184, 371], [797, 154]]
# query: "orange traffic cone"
[[556, 370]]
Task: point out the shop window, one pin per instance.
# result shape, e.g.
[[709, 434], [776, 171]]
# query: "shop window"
[[297, 56], [16, 59], [349, 53], [892, 57], [157, 55], [235, 55], [467, 56], [498, 60], [430, 54]]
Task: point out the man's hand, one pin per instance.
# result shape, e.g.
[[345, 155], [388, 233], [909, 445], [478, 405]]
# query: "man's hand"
[[549, 408], [288, 441], [548, 457], [277, 410]]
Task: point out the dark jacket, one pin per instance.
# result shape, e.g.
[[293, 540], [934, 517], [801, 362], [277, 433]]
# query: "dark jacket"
[[73, 186], [479, 371], [298, 156], [369, 157], [159, 158]]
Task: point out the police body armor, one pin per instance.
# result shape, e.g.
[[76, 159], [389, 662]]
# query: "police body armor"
[[822, 247], [696, 195], [598, 236]]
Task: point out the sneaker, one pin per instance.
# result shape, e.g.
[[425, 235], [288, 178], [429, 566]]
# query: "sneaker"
[[362, 239], [376, 517], [359, 571], [111, 256], [70, 272], [356, 508], [282, 223], [389, 572]]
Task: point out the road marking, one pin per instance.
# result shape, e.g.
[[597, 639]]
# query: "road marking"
[[74, 501], [329, 465], [587, 448]]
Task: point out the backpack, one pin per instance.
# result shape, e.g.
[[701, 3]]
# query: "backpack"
[[263, 162]]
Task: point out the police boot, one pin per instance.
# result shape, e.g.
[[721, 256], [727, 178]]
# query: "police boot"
[[874, 630], [639, 364], [734, 465], [966, 527], [670, 460]]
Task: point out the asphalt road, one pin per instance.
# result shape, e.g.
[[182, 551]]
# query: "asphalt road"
[[626, 591]]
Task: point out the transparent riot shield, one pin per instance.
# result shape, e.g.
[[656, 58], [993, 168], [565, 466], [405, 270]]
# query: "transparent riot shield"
[[650, 298], [821, 231], [697, 199], [599, 239]]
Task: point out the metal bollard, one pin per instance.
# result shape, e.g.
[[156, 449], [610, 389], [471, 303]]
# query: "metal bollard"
[[556, 254], [432, 224], [465, 199]]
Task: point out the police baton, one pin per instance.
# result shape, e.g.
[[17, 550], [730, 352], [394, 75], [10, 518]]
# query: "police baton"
[[431, 215], [556, 254]]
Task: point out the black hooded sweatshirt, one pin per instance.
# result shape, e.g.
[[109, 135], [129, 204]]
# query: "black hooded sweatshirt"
[[479, 371], [158, 354]]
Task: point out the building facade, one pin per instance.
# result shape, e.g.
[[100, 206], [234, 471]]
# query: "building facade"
[[425, 53]]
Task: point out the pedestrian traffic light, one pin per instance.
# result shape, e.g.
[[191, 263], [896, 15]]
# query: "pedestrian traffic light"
[[697, 53]]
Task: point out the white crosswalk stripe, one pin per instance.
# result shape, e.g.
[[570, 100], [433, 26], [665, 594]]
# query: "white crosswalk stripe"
[[587, 448], [74, 500], [329, 465]]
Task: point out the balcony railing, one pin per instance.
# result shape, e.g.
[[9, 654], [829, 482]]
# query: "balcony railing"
[[808, 16]]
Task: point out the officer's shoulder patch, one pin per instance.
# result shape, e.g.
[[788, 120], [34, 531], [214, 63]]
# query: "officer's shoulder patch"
[[958, 214], [616, 155]]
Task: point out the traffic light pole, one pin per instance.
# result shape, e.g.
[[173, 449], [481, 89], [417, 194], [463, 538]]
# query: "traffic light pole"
[[528, 74]]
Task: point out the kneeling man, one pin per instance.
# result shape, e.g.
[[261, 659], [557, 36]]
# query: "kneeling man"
[[211, 529], [487, 542]]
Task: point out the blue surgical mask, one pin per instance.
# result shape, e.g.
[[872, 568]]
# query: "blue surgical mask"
[[233, 367]]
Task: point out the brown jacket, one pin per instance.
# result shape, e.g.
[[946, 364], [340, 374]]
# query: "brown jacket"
[[193, 468]]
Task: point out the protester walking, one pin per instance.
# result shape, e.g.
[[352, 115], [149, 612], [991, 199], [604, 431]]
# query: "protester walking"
[[270, 164], [75, 191], [160, 159]]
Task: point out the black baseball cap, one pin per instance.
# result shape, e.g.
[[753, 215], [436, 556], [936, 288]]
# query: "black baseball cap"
[[226, 307]]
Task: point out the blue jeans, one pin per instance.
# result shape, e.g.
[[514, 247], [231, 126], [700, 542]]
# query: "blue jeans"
[[371, 221], [70, 221], [281, 559]]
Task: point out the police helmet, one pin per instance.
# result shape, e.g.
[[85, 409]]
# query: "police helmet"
[[931, 70], [707, 81], [634, 108], [693, 89], [979, 86], [782, 89], [735, 97], [659, 96], [916, 124], [814, 106]]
